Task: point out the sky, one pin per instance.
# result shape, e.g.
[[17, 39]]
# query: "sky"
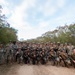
[[32, 18]]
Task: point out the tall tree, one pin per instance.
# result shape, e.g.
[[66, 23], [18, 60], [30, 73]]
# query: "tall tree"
[[7, 33]]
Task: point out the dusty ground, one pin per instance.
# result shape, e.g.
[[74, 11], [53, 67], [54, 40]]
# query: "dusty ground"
[[36, 70]]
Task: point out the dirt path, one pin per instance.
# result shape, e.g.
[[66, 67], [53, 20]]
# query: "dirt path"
[[40, 70]]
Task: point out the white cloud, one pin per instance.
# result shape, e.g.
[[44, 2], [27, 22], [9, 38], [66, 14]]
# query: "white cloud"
[[20, 13], [43, 24], [51, 7], [3, 2], [61, 3], [31, 32], [5, 6], [6, 11], [26, 30], [17, 18]]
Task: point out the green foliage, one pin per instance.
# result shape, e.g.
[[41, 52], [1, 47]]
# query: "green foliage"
[[7, 33], [63, 34]]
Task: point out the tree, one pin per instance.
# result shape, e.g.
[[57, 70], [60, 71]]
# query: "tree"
[[7, 33], [63, 34]]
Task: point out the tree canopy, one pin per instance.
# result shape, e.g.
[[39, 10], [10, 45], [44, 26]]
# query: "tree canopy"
[[7, 33], [63, 34]]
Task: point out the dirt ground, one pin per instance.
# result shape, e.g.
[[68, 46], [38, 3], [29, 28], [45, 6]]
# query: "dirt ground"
[[36, 70]]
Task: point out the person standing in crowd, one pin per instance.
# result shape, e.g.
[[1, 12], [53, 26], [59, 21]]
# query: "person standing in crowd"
[[14, 48], [70, 49], [72, 58], [1, 53]]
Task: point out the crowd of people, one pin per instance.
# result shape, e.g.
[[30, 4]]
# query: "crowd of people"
[[38, 53]]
